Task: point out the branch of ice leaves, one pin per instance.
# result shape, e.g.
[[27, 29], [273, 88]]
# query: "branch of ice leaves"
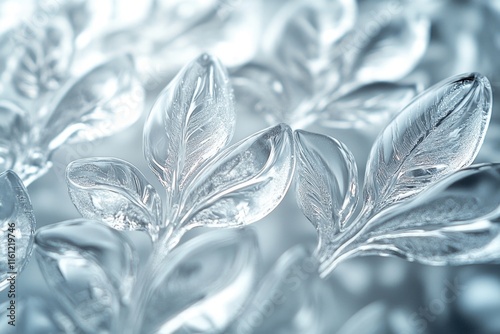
[[325, 64], [207, 183], [103, 101], [420, 201]]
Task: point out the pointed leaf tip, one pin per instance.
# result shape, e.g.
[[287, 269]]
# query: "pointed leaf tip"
[[190, 122], [438, 133]]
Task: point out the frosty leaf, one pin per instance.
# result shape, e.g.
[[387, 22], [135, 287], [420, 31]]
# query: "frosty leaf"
[[201, 286], [290, 299], [17, 225], [14, 134], [302, 35], [45, 59], [115, 192], [385, 49], [440, 132], [449, 223], [244, 183], [370, 104], [103, 101], [326, 181], [91, 267], [191, 121]]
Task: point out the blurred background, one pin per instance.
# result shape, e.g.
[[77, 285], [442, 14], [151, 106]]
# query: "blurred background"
[[364, 295]]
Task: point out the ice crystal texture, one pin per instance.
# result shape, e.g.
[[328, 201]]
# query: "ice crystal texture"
[[199, 286], [326, 64], [106, 99], [206, 183], [418, 202], [17, 227]]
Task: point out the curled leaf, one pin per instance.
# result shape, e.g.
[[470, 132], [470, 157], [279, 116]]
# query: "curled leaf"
[[115, 192], [438, 133], [201, 286], [191, 121], [103, 101], [244, 183], [369, 104], [92, 267], [386, 48], [449, 223], [326, 183], [17, 226]]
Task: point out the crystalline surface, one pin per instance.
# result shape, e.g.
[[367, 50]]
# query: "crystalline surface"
[[114, 191]]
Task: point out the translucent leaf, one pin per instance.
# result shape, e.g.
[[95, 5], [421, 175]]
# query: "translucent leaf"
[[386, 49], [366, 105], [190, 122], [303, 33], [17, 225], [91, 268], [45, 58], [102, 102], [326, 183], [14, 134], [115, 192], [261, 90], [438, 133], [201, 286], [244, 183], [291, 298], [449, 223]]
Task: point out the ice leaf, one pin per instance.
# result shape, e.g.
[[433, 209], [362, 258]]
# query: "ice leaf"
[[244, 183], [326, 183], [366, 105], [263, 91], [302, 35], [291, 298], [14, 134], [115, 192], [17, 226], [105, 100], [438, 133], [192, 120], [91, 268], [45, 59], [201, 285], [449, 223], [385, 49]]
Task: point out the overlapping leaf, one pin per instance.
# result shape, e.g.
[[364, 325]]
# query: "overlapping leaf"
[[440, 132], [326, 183], [411, 208], [115, 192], [244, 183], [92, 267], [103, 101], [14, 134], [17, 226], [202, 285], [191, 121]]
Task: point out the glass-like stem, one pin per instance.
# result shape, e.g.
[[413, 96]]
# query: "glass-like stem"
[[132, 319]]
